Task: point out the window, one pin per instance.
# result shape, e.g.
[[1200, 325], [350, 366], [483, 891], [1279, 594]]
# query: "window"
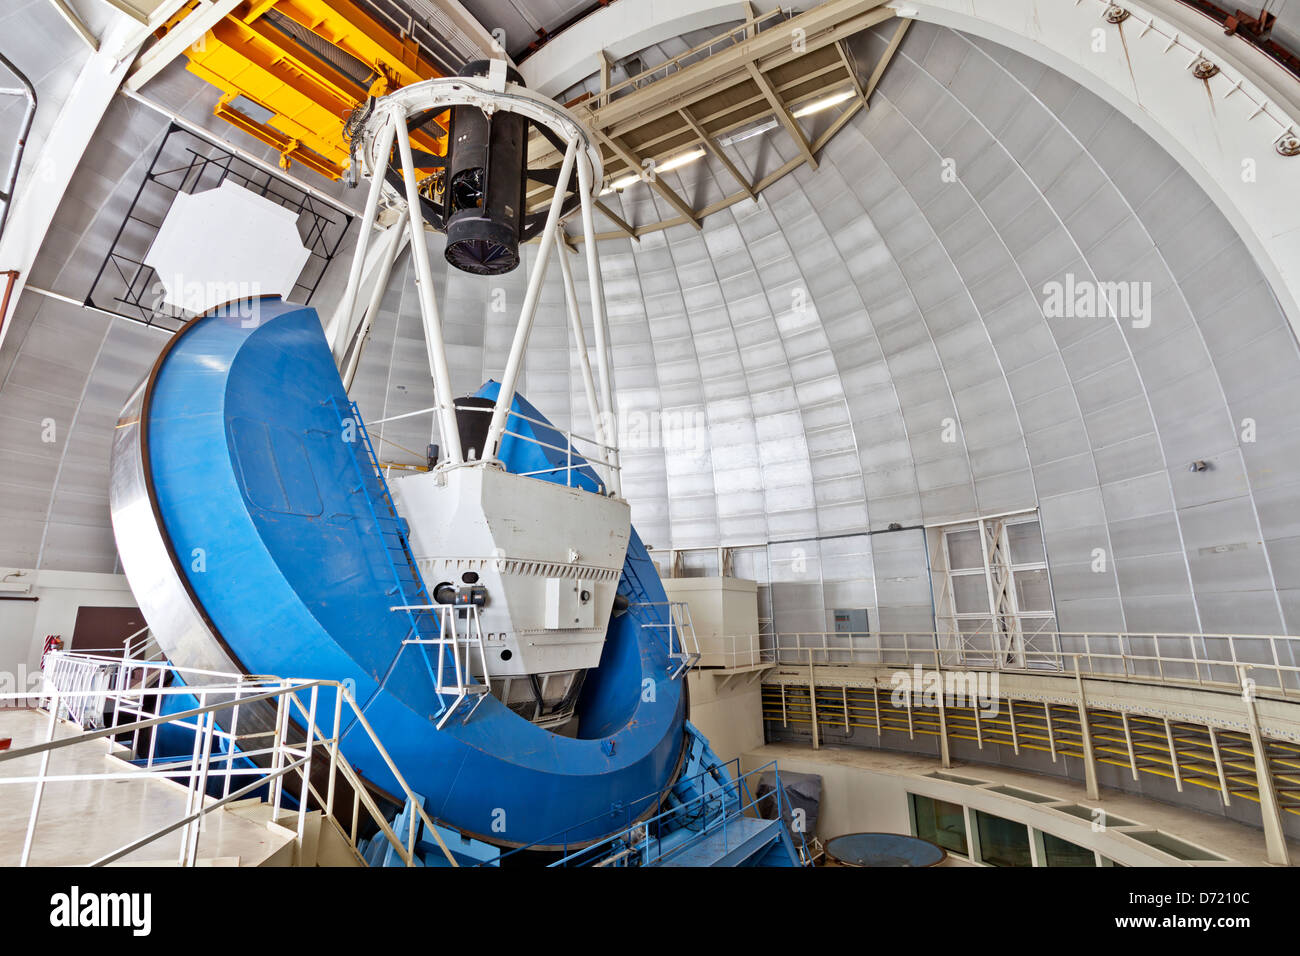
[[852, 620], [1002, 842], [995, 597], [940, 822], [1058, 852]]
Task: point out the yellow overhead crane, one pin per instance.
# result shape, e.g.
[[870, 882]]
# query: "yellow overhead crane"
[[292, 72]]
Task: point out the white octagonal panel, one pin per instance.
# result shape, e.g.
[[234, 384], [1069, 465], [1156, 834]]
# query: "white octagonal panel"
[[226, 244]]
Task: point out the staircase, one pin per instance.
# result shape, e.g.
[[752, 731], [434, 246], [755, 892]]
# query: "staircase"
[[708, 818], [736, 841], [323, 842], [378, 851]]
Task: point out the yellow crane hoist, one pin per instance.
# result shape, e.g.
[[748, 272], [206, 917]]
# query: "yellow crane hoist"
[[293, 71]]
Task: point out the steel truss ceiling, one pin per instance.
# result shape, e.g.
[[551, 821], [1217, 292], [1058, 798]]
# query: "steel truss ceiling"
[[770, 68]]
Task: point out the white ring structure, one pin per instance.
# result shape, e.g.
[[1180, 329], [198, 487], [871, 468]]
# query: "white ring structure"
[[448, 91]]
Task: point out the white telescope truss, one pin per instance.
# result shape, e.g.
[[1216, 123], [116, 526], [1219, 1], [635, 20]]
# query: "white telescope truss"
[[386, 125]]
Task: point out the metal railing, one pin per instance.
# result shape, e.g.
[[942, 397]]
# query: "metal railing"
[[236, 763], [677, 634], [27, 92], [1203, 660], [602, 454], [737, 34], [459, 648], [641, 844], [736, 650], [142, 646], [609, 852]]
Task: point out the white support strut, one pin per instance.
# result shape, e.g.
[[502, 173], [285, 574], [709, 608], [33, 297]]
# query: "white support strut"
[[580, 343], [343, 314], [588, 180], [510, 380], [433, 339]]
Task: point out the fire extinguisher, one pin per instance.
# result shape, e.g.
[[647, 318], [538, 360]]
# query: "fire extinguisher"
[[52, 643]]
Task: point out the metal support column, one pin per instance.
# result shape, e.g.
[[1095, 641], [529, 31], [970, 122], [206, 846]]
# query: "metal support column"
[[1218, 766], [945, 757], [812, 702], [1173, 756], [1051, 733], [1274, 835], [1128, 742], [1089, 763]]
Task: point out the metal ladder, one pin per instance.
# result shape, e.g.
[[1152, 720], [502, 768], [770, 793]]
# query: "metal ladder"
[[465, 689], [681, 642], [409, 590]]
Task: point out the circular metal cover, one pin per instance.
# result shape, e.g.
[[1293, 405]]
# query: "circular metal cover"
[[884, 849]]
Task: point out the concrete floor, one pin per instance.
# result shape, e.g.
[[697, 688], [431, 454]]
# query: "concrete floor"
[[864, 808], [83, 820]]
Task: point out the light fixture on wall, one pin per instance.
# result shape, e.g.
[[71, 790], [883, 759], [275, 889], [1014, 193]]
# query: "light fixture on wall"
[[15, 587], [1199, 465]]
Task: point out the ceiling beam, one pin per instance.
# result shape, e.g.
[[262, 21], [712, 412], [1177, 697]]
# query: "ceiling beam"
[[894, 42], [716, 151], [782, 114], [36, 199], [759, 75], [617, 220], [122, 7], [726, 202], [847, 59], [70, 17], [154, 60], [659, 186], [824, 24]]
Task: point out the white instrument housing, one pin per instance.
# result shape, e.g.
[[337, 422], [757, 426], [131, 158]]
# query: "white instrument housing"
[[550, 557]]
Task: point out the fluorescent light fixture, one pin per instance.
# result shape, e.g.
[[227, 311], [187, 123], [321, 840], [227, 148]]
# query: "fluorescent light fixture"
[[816, 106], [668, 165], [750, 133], [681, 159]]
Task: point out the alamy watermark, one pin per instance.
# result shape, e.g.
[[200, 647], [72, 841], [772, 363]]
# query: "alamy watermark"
[[1075, 298], [22, 681], [928, 688], [679, 430], [75, 909], [241, 300]]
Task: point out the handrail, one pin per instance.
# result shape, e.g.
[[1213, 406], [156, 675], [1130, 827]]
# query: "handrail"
[[601, 457], [232, 692], [735, 35], [561, 837], [449, 642], [682, 644], [28, 92], [1207, 660], [630, 835]]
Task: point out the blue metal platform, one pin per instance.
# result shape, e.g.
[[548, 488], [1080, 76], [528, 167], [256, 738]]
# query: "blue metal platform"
[[740, 841]]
